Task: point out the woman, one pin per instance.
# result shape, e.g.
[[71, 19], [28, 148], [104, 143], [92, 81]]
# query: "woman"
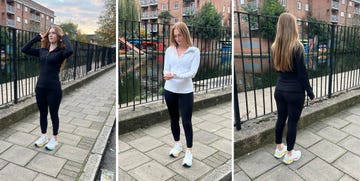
[[288, 57], [181, 64], [55, 48]]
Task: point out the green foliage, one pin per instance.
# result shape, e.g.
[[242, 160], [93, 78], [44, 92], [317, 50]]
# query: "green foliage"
[[207, 22], [128, 12], [165, 17], [71, 29], [106, 34], [268, 25], [318, 28]]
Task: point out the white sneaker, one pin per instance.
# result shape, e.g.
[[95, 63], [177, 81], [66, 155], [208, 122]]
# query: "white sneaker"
[[187, 162], [295, 156], [280, 153], [41, 141], [51, 144], [175, 151]]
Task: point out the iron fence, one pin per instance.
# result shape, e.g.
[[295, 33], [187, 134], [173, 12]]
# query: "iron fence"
[[141, 59], [331, 58], [19, 72]]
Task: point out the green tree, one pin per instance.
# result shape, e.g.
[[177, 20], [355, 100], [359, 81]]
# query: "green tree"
[[128, 17], [106, 34], [71, 29], [206, 22], [268, 25], [318, 28], [165, 17]]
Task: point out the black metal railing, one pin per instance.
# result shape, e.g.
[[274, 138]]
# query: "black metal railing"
[[19, 72], [141, 59], [331, 57]]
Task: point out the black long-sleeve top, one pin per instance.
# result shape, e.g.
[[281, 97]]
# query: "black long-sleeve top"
[[50, 61], [297, 79]]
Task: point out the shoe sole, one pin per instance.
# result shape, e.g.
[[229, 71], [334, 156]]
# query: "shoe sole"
[[279, 156], [48, 149], [40, 145], [174, 155], [186, 165]]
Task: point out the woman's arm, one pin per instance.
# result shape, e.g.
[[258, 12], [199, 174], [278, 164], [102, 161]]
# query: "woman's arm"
[[193, 69], [32, 51], [68, 51], [302, 74], [166, 62]]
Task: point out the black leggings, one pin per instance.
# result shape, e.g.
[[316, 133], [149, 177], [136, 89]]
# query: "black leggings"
[[48, 99], [184, 103], [289, 106]]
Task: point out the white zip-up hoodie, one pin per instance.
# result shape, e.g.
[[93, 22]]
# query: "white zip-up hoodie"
[[184, 67]]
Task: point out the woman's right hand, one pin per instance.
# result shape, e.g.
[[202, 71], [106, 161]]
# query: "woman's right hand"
[[312, 101], [43, 36]]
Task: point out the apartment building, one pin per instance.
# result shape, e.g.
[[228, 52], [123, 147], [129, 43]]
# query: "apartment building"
[[25, 15], [180, 10]]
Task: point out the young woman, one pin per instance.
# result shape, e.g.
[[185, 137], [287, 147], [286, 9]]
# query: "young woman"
[[181, 64], [55, 48], [288, 57]]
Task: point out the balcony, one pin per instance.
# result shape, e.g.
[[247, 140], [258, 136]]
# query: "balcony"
[[253, 4], [10, 9], [356, 1], [35, 17], [11, 22], [357, 10], [144, 3], [150, 15], [335, 5], [334, 18], [188, 11]]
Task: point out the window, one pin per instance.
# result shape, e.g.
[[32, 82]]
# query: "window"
[[299, 5], [242, 2], [26, 9], [306, 7], [224, 8], [342, 14], [283, 2], [18, 5], [176, 5], [349, 15], [18, 19], [222, 22], [342, 1], [175, 20], [25, 21], [42, 15], [229, 9], [47, 17], [299, 21], [163, 7], [350, 3]]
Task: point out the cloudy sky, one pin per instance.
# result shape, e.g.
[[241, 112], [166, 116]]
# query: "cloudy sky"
[[81, 12]]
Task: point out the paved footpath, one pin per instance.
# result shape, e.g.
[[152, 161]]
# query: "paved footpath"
[[143, 154], [83, 116], [330, 151]]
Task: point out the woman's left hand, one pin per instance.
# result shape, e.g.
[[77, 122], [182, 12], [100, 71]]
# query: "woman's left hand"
[[169, 76]]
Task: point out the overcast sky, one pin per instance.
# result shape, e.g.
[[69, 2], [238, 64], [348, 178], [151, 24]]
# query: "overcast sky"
[[81, 12]]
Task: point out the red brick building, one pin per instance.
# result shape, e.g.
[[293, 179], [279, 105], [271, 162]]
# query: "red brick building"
[[25, 15], [181, 9]]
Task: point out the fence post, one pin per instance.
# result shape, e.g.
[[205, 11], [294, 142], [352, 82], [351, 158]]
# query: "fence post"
[[331, 59], [75, 57], [88, 62], [14, 52], [236, 102]]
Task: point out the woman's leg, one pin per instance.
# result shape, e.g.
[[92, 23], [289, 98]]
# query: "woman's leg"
[[54, 99], [186, 102], [295, 106], [282, 109], [171, 100], [42, 103]]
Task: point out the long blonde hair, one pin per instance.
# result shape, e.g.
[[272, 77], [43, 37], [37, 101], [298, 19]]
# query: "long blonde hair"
[[60, 33], [286, 41], [184, 31]]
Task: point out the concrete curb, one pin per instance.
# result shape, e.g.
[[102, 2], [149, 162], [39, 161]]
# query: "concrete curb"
[[93, 162], [19, 111], [222, 173], [148, 114], [256, 133]]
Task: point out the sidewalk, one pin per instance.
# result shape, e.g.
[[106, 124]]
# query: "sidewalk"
[[86, 116], [330, 151], [143, 153]]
